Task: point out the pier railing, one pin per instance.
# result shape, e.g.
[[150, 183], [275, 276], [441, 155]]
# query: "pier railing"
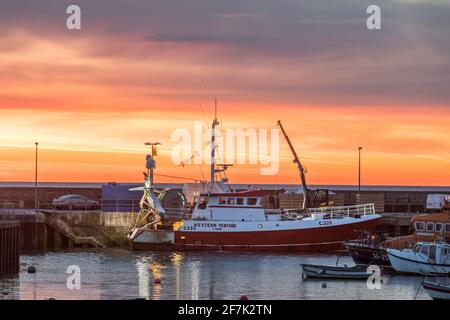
[[344, 211], [7, 207], [120, 205], [437, 279]]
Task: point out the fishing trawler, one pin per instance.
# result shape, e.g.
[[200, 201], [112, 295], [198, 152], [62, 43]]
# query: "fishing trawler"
[[225, 220]]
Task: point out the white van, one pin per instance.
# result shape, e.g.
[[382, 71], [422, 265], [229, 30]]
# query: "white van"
[[435, 202]]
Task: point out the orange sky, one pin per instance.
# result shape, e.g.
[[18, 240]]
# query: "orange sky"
[[92, 99], [399, 148]]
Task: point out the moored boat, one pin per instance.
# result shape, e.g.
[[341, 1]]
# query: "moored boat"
[[437, 286], [368, 249], [425, 258], [335, 272], [226, 220], [371, 249], [427, 228], [237, 222]]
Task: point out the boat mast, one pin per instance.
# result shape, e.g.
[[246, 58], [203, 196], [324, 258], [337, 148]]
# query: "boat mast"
[[306, 200], [151, 163], [213, 145]]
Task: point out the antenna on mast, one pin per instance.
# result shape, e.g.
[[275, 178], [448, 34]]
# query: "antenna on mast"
[[150, 160], [213, 145]]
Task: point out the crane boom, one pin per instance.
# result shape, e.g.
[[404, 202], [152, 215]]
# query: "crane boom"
[[306, 200]]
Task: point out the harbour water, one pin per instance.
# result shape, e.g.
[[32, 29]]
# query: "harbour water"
[[122, 274]]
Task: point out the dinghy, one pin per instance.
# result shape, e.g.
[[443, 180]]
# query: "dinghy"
[[335, 272]]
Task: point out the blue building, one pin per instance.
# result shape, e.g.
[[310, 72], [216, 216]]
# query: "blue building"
[[116, 197]]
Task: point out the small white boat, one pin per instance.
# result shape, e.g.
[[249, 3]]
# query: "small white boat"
[[437, 286], [332, 272], [424, 258]]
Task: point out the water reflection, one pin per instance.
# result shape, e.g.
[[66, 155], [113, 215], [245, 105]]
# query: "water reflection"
[[177, 260], [120, 274], [9, 288], [144, 279], [195, 279], [152, 276]]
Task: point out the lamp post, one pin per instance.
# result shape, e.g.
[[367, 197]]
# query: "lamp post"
[[35, 178], [359, 169]]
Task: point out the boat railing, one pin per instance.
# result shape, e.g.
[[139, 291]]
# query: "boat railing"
[[344, 211], [327, 212], [437, 279], [178, 213], [7, 207]]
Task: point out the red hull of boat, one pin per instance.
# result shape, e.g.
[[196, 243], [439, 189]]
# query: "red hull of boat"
[[300, 240]]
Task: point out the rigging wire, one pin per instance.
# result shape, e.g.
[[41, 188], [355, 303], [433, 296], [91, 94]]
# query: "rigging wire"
[[218, 155], [175, 177], [204, 116]]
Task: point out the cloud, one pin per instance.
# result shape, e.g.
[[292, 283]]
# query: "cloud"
[[206, 39], [174, 55]]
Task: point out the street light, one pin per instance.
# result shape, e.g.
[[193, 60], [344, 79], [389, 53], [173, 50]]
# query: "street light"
[[359, 169], [35, 178]]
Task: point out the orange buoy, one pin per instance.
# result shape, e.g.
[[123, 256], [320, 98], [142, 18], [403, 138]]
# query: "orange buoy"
[[244, 297]]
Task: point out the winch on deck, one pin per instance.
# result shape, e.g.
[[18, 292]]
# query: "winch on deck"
[[160, 210]]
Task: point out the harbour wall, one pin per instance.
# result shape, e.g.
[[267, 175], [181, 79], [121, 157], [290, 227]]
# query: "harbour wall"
[[117, 197], [9, 248], [123, 221], [55, 230], [32, 235], [51, 229], [21, 195]]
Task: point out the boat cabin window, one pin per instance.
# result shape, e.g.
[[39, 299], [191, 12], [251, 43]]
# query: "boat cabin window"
[[438, 227], [202, 202], [231, 201], [432, 253], [424, 250], [445, 252], [252, 201], [430, 226], [240, 201], [222, 200], [418, 248], [420, 226]]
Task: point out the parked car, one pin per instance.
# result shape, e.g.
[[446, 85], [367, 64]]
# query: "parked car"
[[74, 201]]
